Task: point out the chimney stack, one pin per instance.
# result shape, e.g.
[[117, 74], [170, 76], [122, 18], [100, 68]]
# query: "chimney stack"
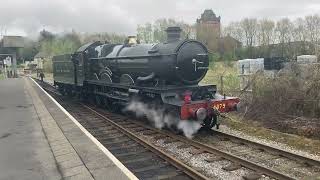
[[173, 33]]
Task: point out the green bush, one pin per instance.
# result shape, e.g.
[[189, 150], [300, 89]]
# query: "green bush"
[[228, 72], [294, 91], [47, 66], [1, 76], [213, 57], [228, 58], [20, 66]]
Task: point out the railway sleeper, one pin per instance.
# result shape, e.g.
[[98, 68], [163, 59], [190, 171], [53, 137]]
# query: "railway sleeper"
[[232, 167], [131, 153], [148, 168], [118, 141], [133, 145], [214, 159], [143, 159], [252, 176]]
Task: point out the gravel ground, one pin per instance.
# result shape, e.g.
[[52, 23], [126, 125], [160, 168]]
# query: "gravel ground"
[[210, 169], [274, 144], [213, 170]]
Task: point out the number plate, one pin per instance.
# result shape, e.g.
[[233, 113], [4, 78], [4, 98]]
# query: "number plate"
[[219, 106]]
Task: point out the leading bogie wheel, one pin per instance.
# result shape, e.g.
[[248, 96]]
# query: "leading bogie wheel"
[[210, 123]]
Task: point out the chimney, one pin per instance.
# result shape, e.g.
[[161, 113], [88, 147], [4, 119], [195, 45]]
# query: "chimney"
[[173, 33]]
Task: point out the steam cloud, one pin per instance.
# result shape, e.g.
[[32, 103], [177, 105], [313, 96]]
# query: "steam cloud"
[[161, 119]]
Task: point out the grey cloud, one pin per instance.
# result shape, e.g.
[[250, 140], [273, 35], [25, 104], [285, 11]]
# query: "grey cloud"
[[122, 16]]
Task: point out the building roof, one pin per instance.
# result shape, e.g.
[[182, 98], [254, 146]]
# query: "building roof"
[[230, 38], [208, 15], [13, 42], [41, 55]]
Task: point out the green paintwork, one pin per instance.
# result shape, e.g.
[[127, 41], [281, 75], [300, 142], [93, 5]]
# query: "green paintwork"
[[63, 69]]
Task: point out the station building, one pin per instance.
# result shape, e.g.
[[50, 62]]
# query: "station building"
[[208, 31], [9, 46]]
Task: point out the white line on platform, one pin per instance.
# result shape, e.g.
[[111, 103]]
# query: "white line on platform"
[[126, 171]]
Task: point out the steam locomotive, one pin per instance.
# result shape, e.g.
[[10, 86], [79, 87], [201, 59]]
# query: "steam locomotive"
[[163, 75]]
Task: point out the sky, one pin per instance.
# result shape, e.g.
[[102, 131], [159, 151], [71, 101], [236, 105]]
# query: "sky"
[[28, 17]]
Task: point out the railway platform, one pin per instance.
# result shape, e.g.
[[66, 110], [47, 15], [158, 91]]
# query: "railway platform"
[[40, 140]]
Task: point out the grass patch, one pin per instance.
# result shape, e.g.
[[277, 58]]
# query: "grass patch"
[[254, 128], [2, 76], [228, 71]]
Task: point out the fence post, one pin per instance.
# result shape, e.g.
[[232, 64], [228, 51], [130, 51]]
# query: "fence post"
[[221, 84]]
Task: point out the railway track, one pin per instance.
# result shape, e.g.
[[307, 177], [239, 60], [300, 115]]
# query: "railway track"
[[300, 161], [167, 155], [141, 157]]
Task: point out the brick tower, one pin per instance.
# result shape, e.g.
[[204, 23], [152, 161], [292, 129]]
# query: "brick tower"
[[208, 30]]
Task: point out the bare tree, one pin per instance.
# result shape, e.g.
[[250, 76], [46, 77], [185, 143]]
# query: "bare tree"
[[145, 32], [155, 32], [300, 35], [266, 32], [234, 30], [249, 27], [284, 31], [299, 31], [312, 27]]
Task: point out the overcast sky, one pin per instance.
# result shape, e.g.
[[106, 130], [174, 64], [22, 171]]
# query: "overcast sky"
[[27, 17]]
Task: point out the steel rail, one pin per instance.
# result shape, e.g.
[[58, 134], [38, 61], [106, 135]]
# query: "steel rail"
[[289, 155], [172, 160], [175, 162], [245, 163], [196, 175]]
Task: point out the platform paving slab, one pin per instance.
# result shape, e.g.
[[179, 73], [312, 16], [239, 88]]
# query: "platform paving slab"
[[98, 162], [53, 134], [24, 150]]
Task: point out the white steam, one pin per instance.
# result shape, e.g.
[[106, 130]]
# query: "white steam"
[[189, 127], [160, 119]]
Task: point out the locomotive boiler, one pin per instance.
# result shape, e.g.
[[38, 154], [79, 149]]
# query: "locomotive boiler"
[[163, 75], [175, 62]]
